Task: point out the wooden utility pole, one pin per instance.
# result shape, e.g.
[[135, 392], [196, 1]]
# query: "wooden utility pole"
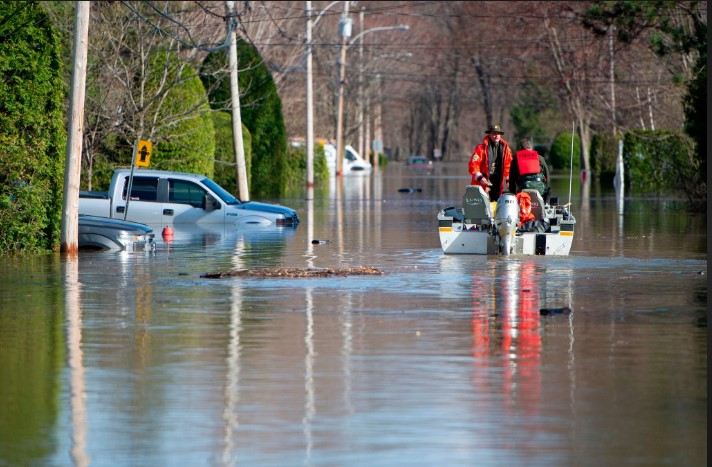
[[310, 106], [238, 144], [378, 124], [612, 77], [69, 236], [345, 32], [361, 143]]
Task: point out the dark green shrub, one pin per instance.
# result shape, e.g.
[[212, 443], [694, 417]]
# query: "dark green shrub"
[[604, 153], [696, 126], [382, 160], [660, 162], [32, 130], [560, 154], [261, 111], [225, 173], [296, 169]]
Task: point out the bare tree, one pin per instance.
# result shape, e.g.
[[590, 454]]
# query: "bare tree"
[[576, 58], [470, 64]]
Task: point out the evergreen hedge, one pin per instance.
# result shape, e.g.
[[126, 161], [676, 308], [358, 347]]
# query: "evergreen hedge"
[[560, 153], [662, 162], [296, 167], [604, 153], [32, 132]]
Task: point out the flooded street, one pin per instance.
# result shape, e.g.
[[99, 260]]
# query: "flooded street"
[[135, 359]]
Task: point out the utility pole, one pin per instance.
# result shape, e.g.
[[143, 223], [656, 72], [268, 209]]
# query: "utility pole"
[[237, 142], [345, 33], [360, 89], [377, 124], [69, 234], [310, 94], [367, 124], [310, 107], [612, 77]]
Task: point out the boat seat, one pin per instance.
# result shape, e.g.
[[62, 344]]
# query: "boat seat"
[[476, 206], [537, 203]]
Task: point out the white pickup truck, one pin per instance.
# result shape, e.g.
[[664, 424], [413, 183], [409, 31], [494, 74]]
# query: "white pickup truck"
[[171, 198]]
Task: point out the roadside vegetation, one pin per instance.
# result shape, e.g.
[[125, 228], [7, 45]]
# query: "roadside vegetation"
[[617, 70], [32, 131]]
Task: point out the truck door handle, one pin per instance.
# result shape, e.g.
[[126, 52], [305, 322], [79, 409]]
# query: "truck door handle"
[[120, 208], [168, 212]]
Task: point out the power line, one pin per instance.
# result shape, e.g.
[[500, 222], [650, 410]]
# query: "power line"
[[384, 11], [190, 44]]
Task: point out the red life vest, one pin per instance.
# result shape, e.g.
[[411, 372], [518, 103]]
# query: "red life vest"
[[525, 208], [528, 162]]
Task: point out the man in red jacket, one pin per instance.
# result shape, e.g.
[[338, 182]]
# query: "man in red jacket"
[[489, 163]]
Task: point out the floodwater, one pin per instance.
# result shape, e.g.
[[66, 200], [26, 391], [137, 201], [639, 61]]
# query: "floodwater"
[[134, 359]]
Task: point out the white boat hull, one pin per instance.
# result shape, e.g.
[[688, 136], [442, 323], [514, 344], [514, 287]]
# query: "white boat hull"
[[457, 239], [481, 233]]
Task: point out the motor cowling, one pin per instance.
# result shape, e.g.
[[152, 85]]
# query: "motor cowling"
[[506, 221]]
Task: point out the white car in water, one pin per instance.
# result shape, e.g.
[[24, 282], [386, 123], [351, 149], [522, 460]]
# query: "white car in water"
[[352, 162]]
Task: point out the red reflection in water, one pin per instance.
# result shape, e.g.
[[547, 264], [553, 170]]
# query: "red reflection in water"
[[509, 338]]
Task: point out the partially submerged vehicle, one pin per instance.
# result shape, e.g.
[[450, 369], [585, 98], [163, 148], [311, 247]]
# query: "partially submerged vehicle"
[[352, 161], [105, 234], [481, 227], [161, 198], [421, 162]]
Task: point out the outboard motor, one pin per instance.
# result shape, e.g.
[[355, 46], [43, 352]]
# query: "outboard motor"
[[506, 220]]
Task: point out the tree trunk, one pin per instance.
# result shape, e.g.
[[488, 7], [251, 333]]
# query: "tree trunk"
[[484, 80]]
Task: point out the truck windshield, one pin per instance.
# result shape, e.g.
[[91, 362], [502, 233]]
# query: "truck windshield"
[[221, 192]]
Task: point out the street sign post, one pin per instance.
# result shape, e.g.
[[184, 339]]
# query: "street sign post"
[[141, 157]]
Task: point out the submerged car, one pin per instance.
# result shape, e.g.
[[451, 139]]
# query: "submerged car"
[[419, 161], [102, 234], [352, 161]]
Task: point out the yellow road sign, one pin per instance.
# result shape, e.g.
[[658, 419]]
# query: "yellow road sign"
[[143, 153]]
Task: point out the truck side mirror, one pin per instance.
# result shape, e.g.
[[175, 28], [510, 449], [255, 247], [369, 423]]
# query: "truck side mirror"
[[210, 203]]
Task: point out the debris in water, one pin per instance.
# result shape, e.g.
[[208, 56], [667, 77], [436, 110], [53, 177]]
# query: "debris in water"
[[295, 272], [410, 190], [319, 242], [564, 310]]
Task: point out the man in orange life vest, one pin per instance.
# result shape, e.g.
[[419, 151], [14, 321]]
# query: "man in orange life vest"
[[529, 170], [489, 163]]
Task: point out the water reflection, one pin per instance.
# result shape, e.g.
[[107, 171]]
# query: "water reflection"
[[33, 352], [232, 364], [510, 332], [357, 210], [72, 300], [309, 395]]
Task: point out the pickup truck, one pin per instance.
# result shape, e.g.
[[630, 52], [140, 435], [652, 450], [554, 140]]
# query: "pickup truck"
[[172, 198]]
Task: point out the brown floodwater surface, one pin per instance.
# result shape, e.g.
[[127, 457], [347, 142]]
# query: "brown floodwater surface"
[[135, 359]]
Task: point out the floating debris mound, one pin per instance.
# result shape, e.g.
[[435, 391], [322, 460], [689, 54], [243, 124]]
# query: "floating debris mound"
[[295, 272]]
